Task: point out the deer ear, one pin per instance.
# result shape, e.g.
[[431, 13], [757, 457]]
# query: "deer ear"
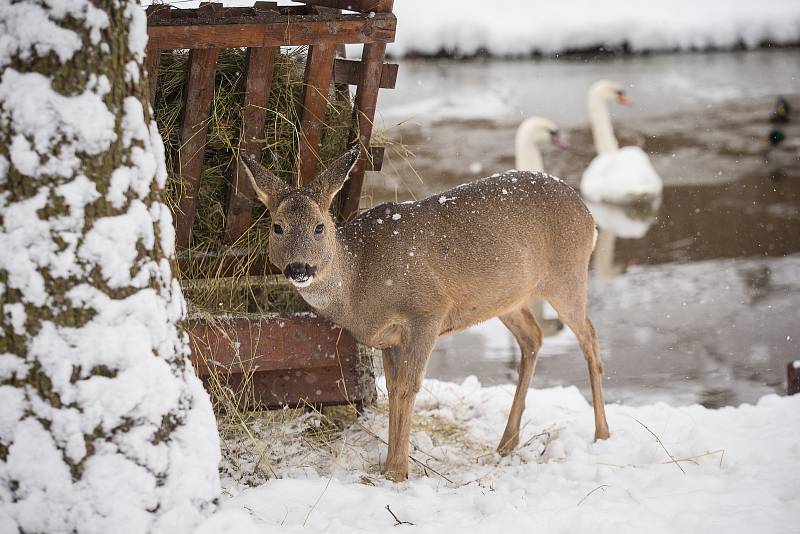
[[330, 181], [267, 186]]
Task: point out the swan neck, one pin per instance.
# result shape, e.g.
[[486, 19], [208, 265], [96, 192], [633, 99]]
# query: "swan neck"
[[602, 129], [527, 154]]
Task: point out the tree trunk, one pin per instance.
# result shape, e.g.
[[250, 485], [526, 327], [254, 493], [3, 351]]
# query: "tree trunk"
[[104, 426]]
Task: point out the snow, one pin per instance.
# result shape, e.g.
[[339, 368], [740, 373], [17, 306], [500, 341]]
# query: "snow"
[[26, 29], [462, 105], [520, 27], [727, 470]]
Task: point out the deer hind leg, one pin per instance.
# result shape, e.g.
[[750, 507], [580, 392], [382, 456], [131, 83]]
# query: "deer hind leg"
[[571, 308], [528, 334], [406, 364]]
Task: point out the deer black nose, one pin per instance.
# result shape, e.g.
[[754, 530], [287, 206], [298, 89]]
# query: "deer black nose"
[[299, 271]]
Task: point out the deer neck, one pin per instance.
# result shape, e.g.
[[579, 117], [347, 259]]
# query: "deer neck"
[[602, 129], [330, 296]]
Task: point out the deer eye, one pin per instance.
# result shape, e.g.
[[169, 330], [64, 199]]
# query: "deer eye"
[[319, 228], [277, 228]]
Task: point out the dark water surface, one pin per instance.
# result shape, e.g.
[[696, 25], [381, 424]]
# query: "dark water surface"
[[697, 301]]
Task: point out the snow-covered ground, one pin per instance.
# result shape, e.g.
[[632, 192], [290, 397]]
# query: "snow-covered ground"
[[518, 27], [665, 469]]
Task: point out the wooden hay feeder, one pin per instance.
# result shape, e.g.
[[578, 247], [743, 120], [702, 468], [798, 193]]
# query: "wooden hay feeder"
[[289, 360]]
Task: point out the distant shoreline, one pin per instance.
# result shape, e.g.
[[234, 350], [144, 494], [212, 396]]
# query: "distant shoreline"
[[599, 52]]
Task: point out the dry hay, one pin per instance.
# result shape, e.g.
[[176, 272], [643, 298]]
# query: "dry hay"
[[279, 153]]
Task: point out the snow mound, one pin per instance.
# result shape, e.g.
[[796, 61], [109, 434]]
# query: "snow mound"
[[729, 470], [461, 106], [519, 27]]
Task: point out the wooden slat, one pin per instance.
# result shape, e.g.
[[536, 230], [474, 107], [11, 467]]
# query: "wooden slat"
[[153, 54], [274, 346], [158, 12], [364, 116], [292, 359], [350, 5], [348, 71], [340, 87], [265, 4], [198, 95], [319, 70], [267, 29], [210, 9], [151, 62], [239, 201]]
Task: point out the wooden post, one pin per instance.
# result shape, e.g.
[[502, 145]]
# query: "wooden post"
[[153, 54], [197, 105], [319, 71], [363, 116], [151, 61], [793, 377], [239, 201]]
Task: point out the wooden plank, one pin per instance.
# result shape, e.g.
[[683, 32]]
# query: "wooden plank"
[[291, 359], [341, 89], [239, 200], [158, 12], [198, 95], [233, 344], [319, 70], [348, 71], [363, 117], [363, 6], [151, 61], [269, 29], [152, 54]]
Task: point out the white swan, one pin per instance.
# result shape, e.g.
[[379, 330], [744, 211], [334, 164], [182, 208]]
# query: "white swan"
[[616, 175], [533, 133]]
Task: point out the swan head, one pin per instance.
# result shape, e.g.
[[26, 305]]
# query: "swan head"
[[608, 91], [540, 132]]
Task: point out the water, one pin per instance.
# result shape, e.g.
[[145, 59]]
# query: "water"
[[701, 301]]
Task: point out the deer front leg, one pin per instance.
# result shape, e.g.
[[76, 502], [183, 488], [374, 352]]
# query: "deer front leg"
[[405, 366]]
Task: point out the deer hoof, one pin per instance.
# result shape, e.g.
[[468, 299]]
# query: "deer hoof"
[[601, 434], [396, 475], [507, 445]]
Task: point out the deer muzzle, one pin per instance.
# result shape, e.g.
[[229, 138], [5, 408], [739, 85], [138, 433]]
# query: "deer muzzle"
[[300, 274]]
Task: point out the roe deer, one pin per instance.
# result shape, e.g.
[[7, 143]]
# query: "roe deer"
[[400, 275]]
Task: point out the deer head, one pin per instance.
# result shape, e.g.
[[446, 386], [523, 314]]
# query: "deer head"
[[303, 237]]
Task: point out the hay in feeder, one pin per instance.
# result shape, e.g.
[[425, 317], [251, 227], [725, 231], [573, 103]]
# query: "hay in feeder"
[[207, 293]]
